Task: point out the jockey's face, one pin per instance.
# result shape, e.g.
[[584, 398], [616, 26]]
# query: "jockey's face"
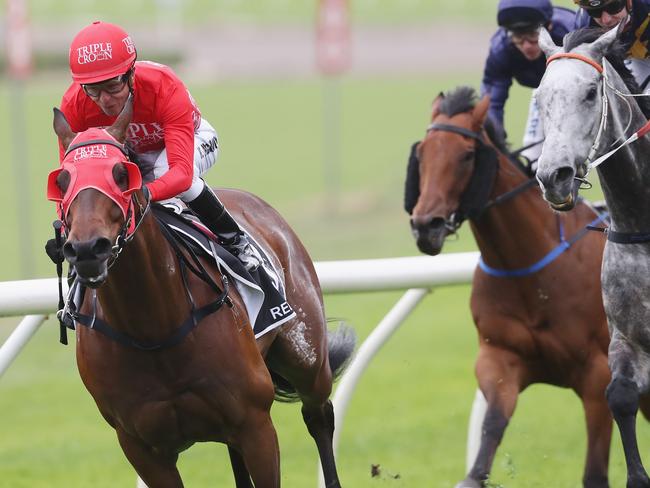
[[110, 95], [610, 15], [527, 44]]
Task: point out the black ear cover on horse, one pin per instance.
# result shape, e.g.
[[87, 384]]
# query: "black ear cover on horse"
[[477, 193], [54, 251], [412, 185]]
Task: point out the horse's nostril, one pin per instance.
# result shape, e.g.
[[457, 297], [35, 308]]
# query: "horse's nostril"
[[94, 249], [69, 252], [437, 223], [563, 174], [102, 247]]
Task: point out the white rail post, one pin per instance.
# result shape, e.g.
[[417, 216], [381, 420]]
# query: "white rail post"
[[378, 337], [475, 430], [18, 339]]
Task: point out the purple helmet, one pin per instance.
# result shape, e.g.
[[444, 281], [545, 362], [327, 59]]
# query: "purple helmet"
[[524, 15]]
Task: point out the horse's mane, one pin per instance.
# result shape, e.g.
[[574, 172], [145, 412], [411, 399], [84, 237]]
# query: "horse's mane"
[[463, 99], [615, 55]]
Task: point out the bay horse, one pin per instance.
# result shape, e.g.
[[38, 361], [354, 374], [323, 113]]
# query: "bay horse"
[[535, 296], [591, 106], [211, 380]]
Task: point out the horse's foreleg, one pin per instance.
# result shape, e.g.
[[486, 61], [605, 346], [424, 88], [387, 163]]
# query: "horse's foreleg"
[[156, 470], [623, 399], [242, 478], [599, 425], [258, 445], [499, 382]]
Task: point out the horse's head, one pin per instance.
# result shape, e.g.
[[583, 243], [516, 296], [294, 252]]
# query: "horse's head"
[[92, 189], [572, 105], [447, 161]]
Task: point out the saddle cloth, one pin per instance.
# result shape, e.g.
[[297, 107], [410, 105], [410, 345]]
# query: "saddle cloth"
[[262, 290]]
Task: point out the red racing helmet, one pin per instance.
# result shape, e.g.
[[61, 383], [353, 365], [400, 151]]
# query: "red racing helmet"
[[99, 52]]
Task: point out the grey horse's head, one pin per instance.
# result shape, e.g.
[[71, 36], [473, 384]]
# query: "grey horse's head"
[[570, 101]]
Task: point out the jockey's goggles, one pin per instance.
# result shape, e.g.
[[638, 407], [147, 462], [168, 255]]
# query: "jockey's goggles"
[[519, 37], [612, 8], [112, 86]]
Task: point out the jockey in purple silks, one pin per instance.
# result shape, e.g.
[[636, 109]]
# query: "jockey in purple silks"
[[514, 54]]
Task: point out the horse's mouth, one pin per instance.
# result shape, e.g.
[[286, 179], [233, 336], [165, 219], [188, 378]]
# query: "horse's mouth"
[[92, 275], [564, 206], [93, 282]]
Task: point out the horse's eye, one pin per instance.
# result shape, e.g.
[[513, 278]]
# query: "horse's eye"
[[468, 157], [591, 94]]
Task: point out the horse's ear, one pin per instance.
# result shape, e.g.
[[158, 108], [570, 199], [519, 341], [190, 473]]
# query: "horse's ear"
[[62, 128], [435, 107], [547, 44], [118, 129], [480, 112], [603, 43]]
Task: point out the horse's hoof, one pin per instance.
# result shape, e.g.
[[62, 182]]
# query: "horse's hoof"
[[641, 481], [469, 483]]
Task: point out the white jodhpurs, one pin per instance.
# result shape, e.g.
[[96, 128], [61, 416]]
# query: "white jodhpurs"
[[534, 132], [640, 68], [206, 152]]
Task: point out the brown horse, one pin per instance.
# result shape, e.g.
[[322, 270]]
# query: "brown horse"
[[215, 383], [531, 330]]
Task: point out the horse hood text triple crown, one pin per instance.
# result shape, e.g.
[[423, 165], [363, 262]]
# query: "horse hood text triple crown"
[[99, 52], [90, 161]]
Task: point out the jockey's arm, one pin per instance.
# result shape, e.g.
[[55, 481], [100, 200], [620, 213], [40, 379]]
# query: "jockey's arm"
[[178, 123], [496, 82]]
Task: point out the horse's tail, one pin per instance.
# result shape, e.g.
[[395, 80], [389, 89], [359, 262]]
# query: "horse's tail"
[[340, 345]]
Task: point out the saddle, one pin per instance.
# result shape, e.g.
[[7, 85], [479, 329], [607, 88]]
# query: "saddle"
[[262, 289]]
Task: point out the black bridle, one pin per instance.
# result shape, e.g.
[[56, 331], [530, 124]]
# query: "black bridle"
[[456, 218], [68, 314]]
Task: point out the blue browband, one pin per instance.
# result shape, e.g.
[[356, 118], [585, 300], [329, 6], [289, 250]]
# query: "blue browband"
[[546, 260]]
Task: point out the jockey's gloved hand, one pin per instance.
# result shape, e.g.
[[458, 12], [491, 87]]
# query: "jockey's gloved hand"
[[55, 253]]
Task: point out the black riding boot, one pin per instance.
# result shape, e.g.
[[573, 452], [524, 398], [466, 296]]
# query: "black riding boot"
[[216, 218]]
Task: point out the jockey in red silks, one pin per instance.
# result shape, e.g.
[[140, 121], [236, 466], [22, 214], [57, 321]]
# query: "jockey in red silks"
[[174, 145]]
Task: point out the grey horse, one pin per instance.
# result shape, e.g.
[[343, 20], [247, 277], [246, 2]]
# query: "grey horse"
[[588, 109]]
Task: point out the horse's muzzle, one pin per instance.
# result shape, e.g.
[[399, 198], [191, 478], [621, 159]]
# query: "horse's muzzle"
[[429, 234], [560, 187], [89, 259]]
